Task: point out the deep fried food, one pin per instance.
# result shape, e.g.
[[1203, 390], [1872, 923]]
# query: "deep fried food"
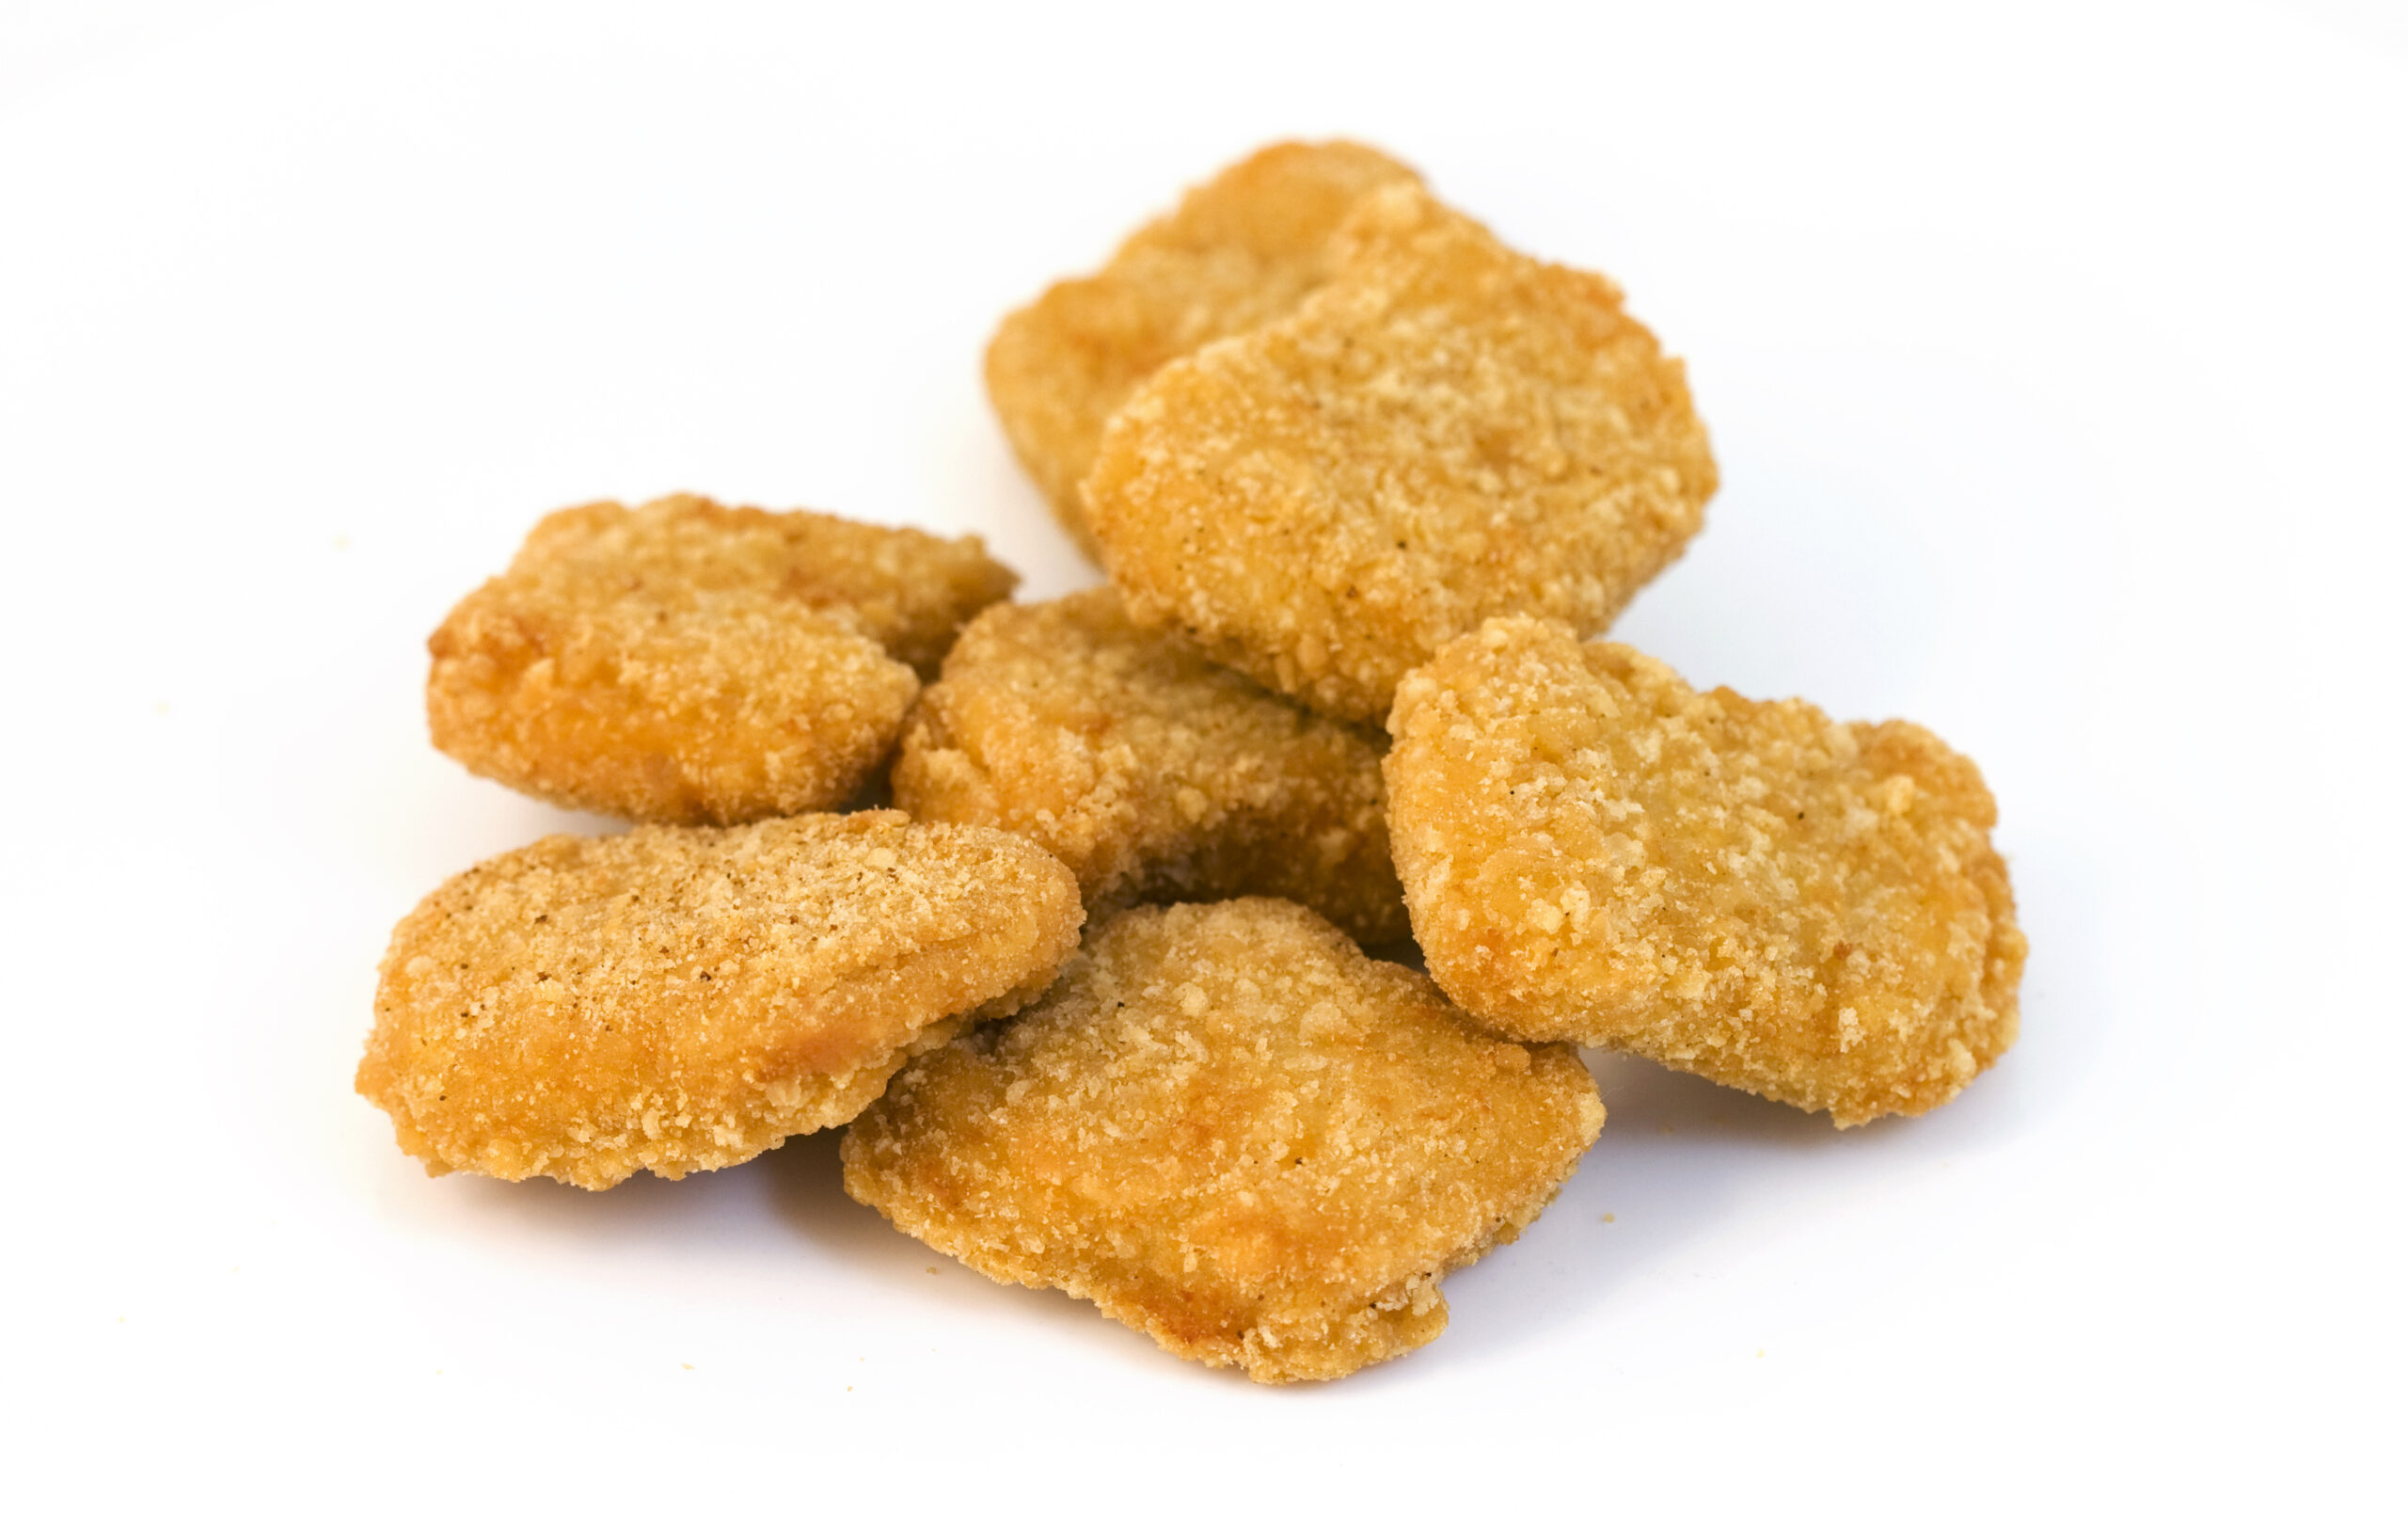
[[1238, 251], [1153, 772], [1808, 910], [687, 662], [907, 590], [1445, 431], [1231, 1130], [675, 1000]]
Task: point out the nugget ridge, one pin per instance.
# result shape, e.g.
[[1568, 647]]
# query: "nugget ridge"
[[1238, 251], [676, 999], [1445, 431], [1152, 771], [1230, 1129], [1806, 908]]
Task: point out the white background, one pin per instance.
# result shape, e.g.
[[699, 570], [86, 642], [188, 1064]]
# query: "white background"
[[2054, 358]]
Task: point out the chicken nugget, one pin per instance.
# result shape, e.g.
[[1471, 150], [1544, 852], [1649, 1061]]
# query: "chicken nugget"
[[1230, 1129], [1808, 910], [690, 662], [1445, 431], [1238, 251], [1153, 772], [676, 1000]]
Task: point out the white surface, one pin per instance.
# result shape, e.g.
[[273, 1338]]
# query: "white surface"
[[2053, 357]]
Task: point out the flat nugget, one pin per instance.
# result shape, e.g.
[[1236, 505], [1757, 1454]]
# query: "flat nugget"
[[690, 662], [1238, 252], [1808, 910], [1152, 771], [1445, 431], [1231, 1130], [674, 1000]]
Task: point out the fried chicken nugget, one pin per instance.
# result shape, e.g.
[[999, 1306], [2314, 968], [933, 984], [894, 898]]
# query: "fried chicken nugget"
[[1808, 910], [1153, 772], [1232, 1130], [690, 662], [1445, 431], [1238, 251], [675, 1000]]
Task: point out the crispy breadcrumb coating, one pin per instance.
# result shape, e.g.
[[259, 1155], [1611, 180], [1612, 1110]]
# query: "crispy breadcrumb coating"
[[687, 662], [676, 1000], [1238, 250], [1232, 1130], [1153, 772], [907, 590], [1808, 910], [1445, 431]]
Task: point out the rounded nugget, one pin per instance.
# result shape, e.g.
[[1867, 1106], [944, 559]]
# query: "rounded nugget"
[[1445, 431], [1808, 910], [1238, 251], [690, 662], [675, 1000], [1153, 772], [1232, 1130]]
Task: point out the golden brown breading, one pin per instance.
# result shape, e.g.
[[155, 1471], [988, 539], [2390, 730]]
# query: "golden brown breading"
[[687, 662], [1153, 772], [1231, 1130], [907, 590], [1445, 431], [675, 1000], [1238, 251], [1807, 910]]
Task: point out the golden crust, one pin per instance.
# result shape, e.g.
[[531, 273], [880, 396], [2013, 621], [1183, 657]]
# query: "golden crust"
[[907, 590], [674, 1000], [1152, 773], [1808, 910], [1238, 251], [1231, 1130], [687, 662], [1445, 431]]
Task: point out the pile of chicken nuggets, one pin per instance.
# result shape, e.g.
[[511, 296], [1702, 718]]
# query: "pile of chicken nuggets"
[[1062, 909]]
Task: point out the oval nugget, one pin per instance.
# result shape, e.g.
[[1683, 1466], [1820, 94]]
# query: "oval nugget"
[[674, 1000], [1235, 1132], [1238, 250], [690, 662], [1445, 431], [1152, 771], [1594, 851]]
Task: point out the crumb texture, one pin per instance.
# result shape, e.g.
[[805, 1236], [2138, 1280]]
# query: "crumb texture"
[[1154, 773], [687, 662], [1233, 1131], [676, 1000], [1806, 908], [1445, 431], [1238, 250]]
